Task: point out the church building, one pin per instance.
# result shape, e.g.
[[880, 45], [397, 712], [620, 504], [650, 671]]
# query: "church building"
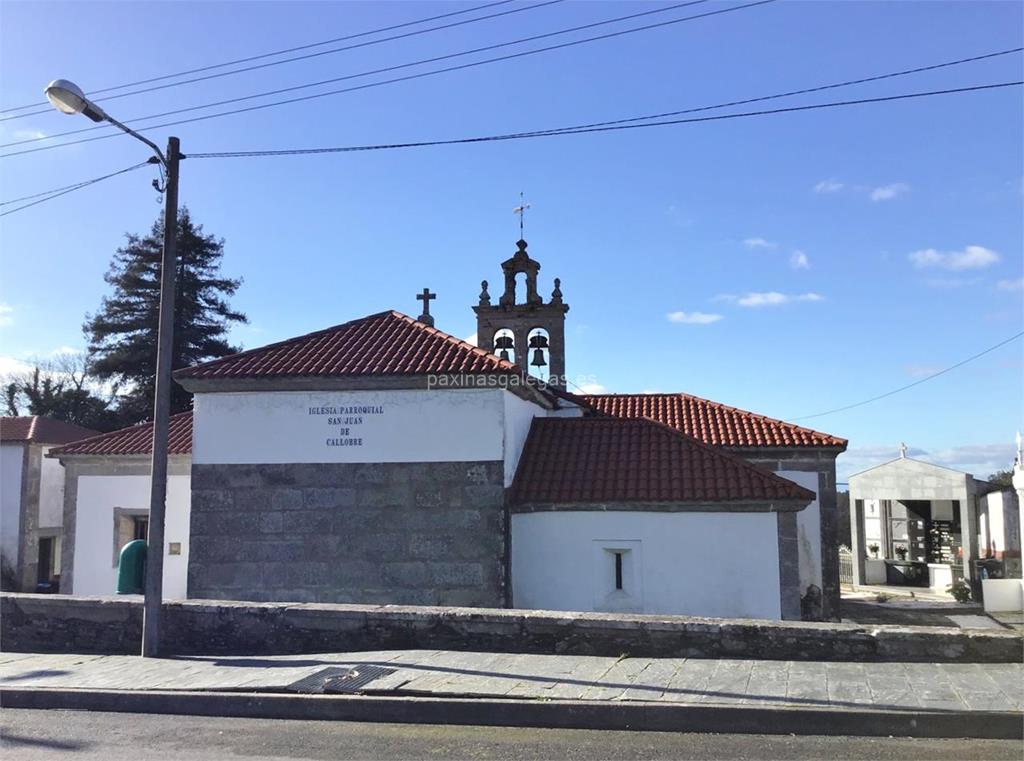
[[385, 461]]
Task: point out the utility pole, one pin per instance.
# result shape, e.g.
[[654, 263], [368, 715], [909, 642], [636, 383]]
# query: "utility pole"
[[161, 412], [68, 98]]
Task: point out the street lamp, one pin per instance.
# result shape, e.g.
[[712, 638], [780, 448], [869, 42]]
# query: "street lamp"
[[68, 98]]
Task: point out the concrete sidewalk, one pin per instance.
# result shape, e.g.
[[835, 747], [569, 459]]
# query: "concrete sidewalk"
[[889, 687]]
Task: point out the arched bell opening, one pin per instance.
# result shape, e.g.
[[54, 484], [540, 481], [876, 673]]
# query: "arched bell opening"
[[505, 344], [538, 353]]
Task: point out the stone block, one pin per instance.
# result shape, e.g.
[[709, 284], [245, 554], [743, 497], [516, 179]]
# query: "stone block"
[[303, 575], [406, 574], [271, 523], [482, 496], [429, 546], [429, 496], [328, 497], [456, 574], [213, 499], [286, 499], [307, 522]]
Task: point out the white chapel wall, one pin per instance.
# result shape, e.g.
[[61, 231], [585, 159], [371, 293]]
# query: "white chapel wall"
[[519, 415], [808, 530], [702, 564], [12, 457], [51, 492], [449, 425], [94, 569]]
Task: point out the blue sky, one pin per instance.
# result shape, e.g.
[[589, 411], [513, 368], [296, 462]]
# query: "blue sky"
[[784, 264]]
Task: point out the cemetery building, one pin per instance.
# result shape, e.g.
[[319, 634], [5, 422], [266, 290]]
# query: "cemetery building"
[[917, 524], [31, 500], [383, 460]]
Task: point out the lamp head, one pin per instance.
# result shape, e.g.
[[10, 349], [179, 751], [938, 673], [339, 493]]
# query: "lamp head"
[[68, 98]]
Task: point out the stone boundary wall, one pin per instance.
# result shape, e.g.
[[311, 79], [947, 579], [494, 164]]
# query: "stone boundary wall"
[[63, 624]]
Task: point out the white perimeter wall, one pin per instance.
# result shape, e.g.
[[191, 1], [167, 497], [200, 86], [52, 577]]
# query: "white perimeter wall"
[[808, 530], [51, 492], [94, 570], [12, 457], [701, 564], [412, 426]]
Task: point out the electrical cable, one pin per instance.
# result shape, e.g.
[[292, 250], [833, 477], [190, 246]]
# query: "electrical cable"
[[409, 77], [312, 55], [260, 56], [915, 383], [584, 130], [56, 192]]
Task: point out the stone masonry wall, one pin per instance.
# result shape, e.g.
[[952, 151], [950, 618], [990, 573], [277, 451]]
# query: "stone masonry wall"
[[64, 624], [823, 462], [400, 533]]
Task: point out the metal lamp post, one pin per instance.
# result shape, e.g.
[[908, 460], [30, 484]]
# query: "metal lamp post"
[[68, 98]]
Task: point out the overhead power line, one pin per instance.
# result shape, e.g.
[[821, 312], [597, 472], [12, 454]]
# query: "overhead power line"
[[271, 54], [557, 132], [513, 136], [406, 78], [331, 51], [915, 383], [56, 192]]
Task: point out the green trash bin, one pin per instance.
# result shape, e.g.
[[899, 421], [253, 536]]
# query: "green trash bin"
[[131, 568]]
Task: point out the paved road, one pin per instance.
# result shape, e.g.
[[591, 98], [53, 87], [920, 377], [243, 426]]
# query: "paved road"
[[47, 735]]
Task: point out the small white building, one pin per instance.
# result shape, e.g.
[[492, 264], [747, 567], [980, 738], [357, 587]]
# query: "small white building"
[[32, 500], [914, 523]]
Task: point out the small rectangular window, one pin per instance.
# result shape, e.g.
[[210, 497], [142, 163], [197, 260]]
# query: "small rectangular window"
[[618, 570], [140, 527]]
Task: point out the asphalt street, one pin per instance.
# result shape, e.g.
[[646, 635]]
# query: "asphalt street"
[[28, 735]]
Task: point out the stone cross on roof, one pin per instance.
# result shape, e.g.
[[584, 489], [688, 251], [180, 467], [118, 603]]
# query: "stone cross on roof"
[[521, 211], [426, 318]]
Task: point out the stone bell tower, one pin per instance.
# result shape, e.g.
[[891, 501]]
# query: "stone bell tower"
[[518, 320]]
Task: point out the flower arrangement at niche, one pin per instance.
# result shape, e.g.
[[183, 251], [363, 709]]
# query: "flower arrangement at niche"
[[901, 551], [873, 549]]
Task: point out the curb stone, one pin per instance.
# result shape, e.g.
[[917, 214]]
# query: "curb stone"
[[554, 714]]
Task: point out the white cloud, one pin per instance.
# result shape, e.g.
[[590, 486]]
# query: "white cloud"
[[759, 243], [693, 318], [12, 366], [769, 298], [592, 388], [28, 134], [828, 186], [6, 310], [970, 258], [65, 350], [1011, 285], [798, 260], [471, 340], [888, 192]]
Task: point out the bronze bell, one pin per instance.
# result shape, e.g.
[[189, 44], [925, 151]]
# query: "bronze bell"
[[538, 342], [538, 358], [503, 354], [503, 342]]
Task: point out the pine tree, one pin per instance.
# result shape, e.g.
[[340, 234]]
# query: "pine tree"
[[123, 334]]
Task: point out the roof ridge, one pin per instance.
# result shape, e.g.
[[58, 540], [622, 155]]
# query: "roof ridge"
[[719, 405]]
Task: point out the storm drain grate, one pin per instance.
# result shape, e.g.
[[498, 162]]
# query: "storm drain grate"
[[338, 679]]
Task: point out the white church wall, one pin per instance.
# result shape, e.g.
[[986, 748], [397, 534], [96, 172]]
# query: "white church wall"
[[808, 530], [51, 492], [95, 572], [519, 415], [672, 563], [12, 457], [451, 425]]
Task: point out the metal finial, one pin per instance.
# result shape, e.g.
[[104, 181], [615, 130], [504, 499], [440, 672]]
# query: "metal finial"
[[521, 211]]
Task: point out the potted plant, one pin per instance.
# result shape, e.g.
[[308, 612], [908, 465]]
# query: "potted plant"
[[901, 551], [873, 549]]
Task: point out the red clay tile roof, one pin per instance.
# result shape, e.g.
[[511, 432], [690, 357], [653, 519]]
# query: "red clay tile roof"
[[388, 343], [710, 422], [135, 440], [597, 459], [41, 430]]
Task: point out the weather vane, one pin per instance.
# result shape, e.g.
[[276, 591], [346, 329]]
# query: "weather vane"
[[521, 211]]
